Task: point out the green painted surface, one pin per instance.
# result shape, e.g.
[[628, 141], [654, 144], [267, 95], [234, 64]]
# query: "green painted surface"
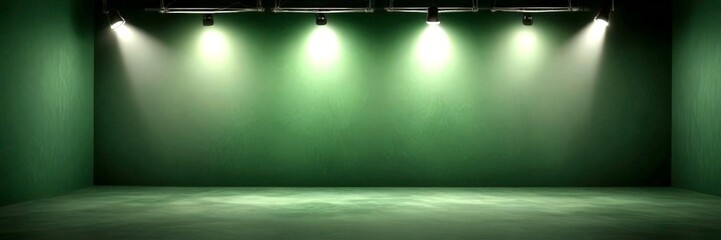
[[46, 98], [696, 96], [366, 213], [248, 103]]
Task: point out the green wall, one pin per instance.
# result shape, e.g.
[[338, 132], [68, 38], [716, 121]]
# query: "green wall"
[[248, 102], [696, 94], [46, 98]]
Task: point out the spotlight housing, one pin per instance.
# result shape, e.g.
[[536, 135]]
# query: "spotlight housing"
[[604, 16], [208, 20], [432, 18], [320, 19], [116, 20], [527, 19]]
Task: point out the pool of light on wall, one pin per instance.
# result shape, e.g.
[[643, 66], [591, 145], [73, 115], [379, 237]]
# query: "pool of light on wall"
[[522, 53], [525, 40], [433, 47], [213, 43], [322, 46], [140, 53], [583, 52], [219, 57]]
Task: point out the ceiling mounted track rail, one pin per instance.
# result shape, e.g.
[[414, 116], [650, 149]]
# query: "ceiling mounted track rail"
[[282, 7], [279, 8], [231, 8], [424, 9], [568, 8]]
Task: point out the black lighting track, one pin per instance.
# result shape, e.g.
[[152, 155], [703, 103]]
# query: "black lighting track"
[[320, 7], [284, 6], [446, 7], [193, 7], [360, 6]]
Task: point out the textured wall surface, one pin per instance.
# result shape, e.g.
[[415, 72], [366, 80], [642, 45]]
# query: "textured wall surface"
[[46, 98], [696, 96], [259, 100]]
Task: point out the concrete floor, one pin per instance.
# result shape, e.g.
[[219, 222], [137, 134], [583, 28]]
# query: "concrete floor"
[[366, 213]]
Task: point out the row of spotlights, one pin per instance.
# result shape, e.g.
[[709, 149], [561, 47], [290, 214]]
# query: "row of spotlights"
[[603, 16]]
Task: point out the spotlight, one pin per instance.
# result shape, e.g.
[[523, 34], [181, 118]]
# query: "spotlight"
[[320, 19], [115, 19], [604, 16], [208, 20], [433, 16], [527, 19]]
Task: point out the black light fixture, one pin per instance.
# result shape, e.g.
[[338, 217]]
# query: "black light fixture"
[[320, 19], [604, 16], [432, 18], [527, 19], [115, 19], [208, 20]]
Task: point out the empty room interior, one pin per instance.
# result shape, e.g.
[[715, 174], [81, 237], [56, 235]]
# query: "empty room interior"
[[360, 119]]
